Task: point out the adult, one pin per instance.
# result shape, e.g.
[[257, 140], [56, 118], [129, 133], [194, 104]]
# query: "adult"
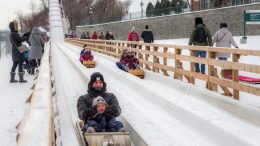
[[37, 48], [97, 87], [147, 35], [17, 56], [200, 36], [224, 38]]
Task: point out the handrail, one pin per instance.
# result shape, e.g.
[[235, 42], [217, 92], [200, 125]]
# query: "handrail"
[[114, 48], [37, 125]]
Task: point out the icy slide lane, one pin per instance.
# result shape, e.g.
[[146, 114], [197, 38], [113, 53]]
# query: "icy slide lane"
[[167, 112]]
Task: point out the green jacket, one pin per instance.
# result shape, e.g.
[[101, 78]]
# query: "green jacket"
[[192, 37]]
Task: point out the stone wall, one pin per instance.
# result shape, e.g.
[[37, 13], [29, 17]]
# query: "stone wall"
[[180, 26]]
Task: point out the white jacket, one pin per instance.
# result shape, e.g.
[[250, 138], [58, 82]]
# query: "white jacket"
[[224, 38]]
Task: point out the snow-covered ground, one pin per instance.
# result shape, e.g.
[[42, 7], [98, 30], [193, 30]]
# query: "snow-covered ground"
[[161, 110], [12, 102]]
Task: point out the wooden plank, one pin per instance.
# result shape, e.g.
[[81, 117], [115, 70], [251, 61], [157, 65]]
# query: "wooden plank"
[[155, 60], [165, 49], [147, 48], [192, 67], [235, 76], [177, 64]]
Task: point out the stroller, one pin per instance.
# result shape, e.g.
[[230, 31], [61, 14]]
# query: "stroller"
[[30, 65]]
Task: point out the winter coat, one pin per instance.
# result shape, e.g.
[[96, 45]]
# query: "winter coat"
[[224, 38], [133, 36], [16, 41], [107, 36], [102, 37], [84, 104], [130, 61], [86, 56], [147, 36], [208, 37], [37, 44], [94, 36]]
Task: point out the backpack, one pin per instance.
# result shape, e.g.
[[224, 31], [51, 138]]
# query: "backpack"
[[134, 37], [200, 35]]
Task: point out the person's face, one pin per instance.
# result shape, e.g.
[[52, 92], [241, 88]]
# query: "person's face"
[[86, 48], [101, 107], [98, 85]]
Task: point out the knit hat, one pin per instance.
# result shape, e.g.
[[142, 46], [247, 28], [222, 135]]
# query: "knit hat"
[[146, 27], [98, 100], [94, 77], [198, 20]]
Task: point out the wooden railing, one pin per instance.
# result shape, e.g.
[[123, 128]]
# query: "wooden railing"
[[37, 125], [174, 52]]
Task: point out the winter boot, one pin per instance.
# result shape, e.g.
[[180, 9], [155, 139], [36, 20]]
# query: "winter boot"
[[12, 80], [21, 80]]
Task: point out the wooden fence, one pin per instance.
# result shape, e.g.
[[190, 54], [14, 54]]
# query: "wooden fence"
[[161, 55]]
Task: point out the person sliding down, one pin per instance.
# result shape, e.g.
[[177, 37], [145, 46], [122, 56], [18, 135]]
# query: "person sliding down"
[[128, 62], [85, 55]]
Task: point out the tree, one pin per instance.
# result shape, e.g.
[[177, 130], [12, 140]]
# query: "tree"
[[166, 7], [157, 8], [177, 6], [149, 9]]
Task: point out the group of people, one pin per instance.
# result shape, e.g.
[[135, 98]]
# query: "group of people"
[[95, 36], [201, 36], [32, 57]]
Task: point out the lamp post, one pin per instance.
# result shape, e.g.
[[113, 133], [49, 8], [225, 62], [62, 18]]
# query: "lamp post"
[[142, 4]]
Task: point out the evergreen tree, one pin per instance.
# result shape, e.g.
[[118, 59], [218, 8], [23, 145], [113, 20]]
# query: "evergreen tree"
[[165, 6], [157, 8], [177, 6], [149, 9]]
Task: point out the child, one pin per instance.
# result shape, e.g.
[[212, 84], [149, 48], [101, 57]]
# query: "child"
[[101, 122], [128, 61], [85, 54]]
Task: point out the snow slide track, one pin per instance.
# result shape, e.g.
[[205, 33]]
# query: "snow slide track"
[[172, 112]]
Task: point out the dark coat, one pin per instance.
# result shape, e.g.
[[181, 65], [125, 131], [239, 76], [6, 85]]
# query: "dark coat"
[[147, 36], [84, 104], [16, 41]]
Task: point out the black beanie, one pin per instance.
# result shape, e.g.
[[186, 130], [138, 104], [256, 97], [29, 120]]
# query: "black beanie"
[[198, 20], [146, 26], [94, 77]]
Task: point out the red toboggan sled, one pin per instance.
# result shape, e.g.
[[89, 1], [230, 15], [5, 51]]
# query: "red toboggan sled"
[[227, 73]]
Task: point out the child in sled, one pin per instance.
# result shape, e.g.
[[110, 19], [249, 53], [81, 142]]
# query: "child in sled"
[[85, 54], [128, 61], [102, 122]]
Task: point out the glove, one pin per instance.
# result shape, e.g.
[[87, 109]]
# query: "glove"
[[109, 111]]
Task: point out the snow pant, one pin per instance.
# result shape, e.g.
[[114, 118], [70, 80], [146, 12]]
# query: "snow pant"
[[104, 126], [15, 64], [122, 66], [202, 66]]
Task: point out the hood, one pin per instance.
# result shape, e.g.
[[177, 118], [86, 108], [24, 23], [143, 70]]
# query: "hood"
[[36, 31], [13, 26], [224, 30]]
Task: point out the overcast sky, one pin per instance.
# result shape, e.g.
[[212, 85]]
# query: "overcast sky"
[[9, 7]]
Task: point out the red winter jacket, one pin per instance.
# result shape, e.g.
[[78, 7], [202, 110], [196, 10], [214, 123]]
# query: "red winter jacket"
[[94, 36], [133, 36], [86, 56], [130, 61]]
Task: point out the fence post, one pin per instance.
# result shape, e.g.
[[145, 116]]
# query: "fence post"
[[235, 75], [177, 64], [165, 49], [140, 55], [155, 60], [192, 66], [211, 72], [146, 58]]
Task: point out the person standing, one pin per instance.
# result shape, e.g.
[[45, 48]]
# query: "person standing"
[[17, 56], [200, 36], [224, 38], [37, 46], [147, 35]]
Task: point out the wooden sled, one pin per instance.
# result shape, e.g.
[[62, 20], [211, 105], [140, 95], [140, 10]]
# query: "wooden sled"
[[104, 138], [89, 64], [227, 74], [137, 72]]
